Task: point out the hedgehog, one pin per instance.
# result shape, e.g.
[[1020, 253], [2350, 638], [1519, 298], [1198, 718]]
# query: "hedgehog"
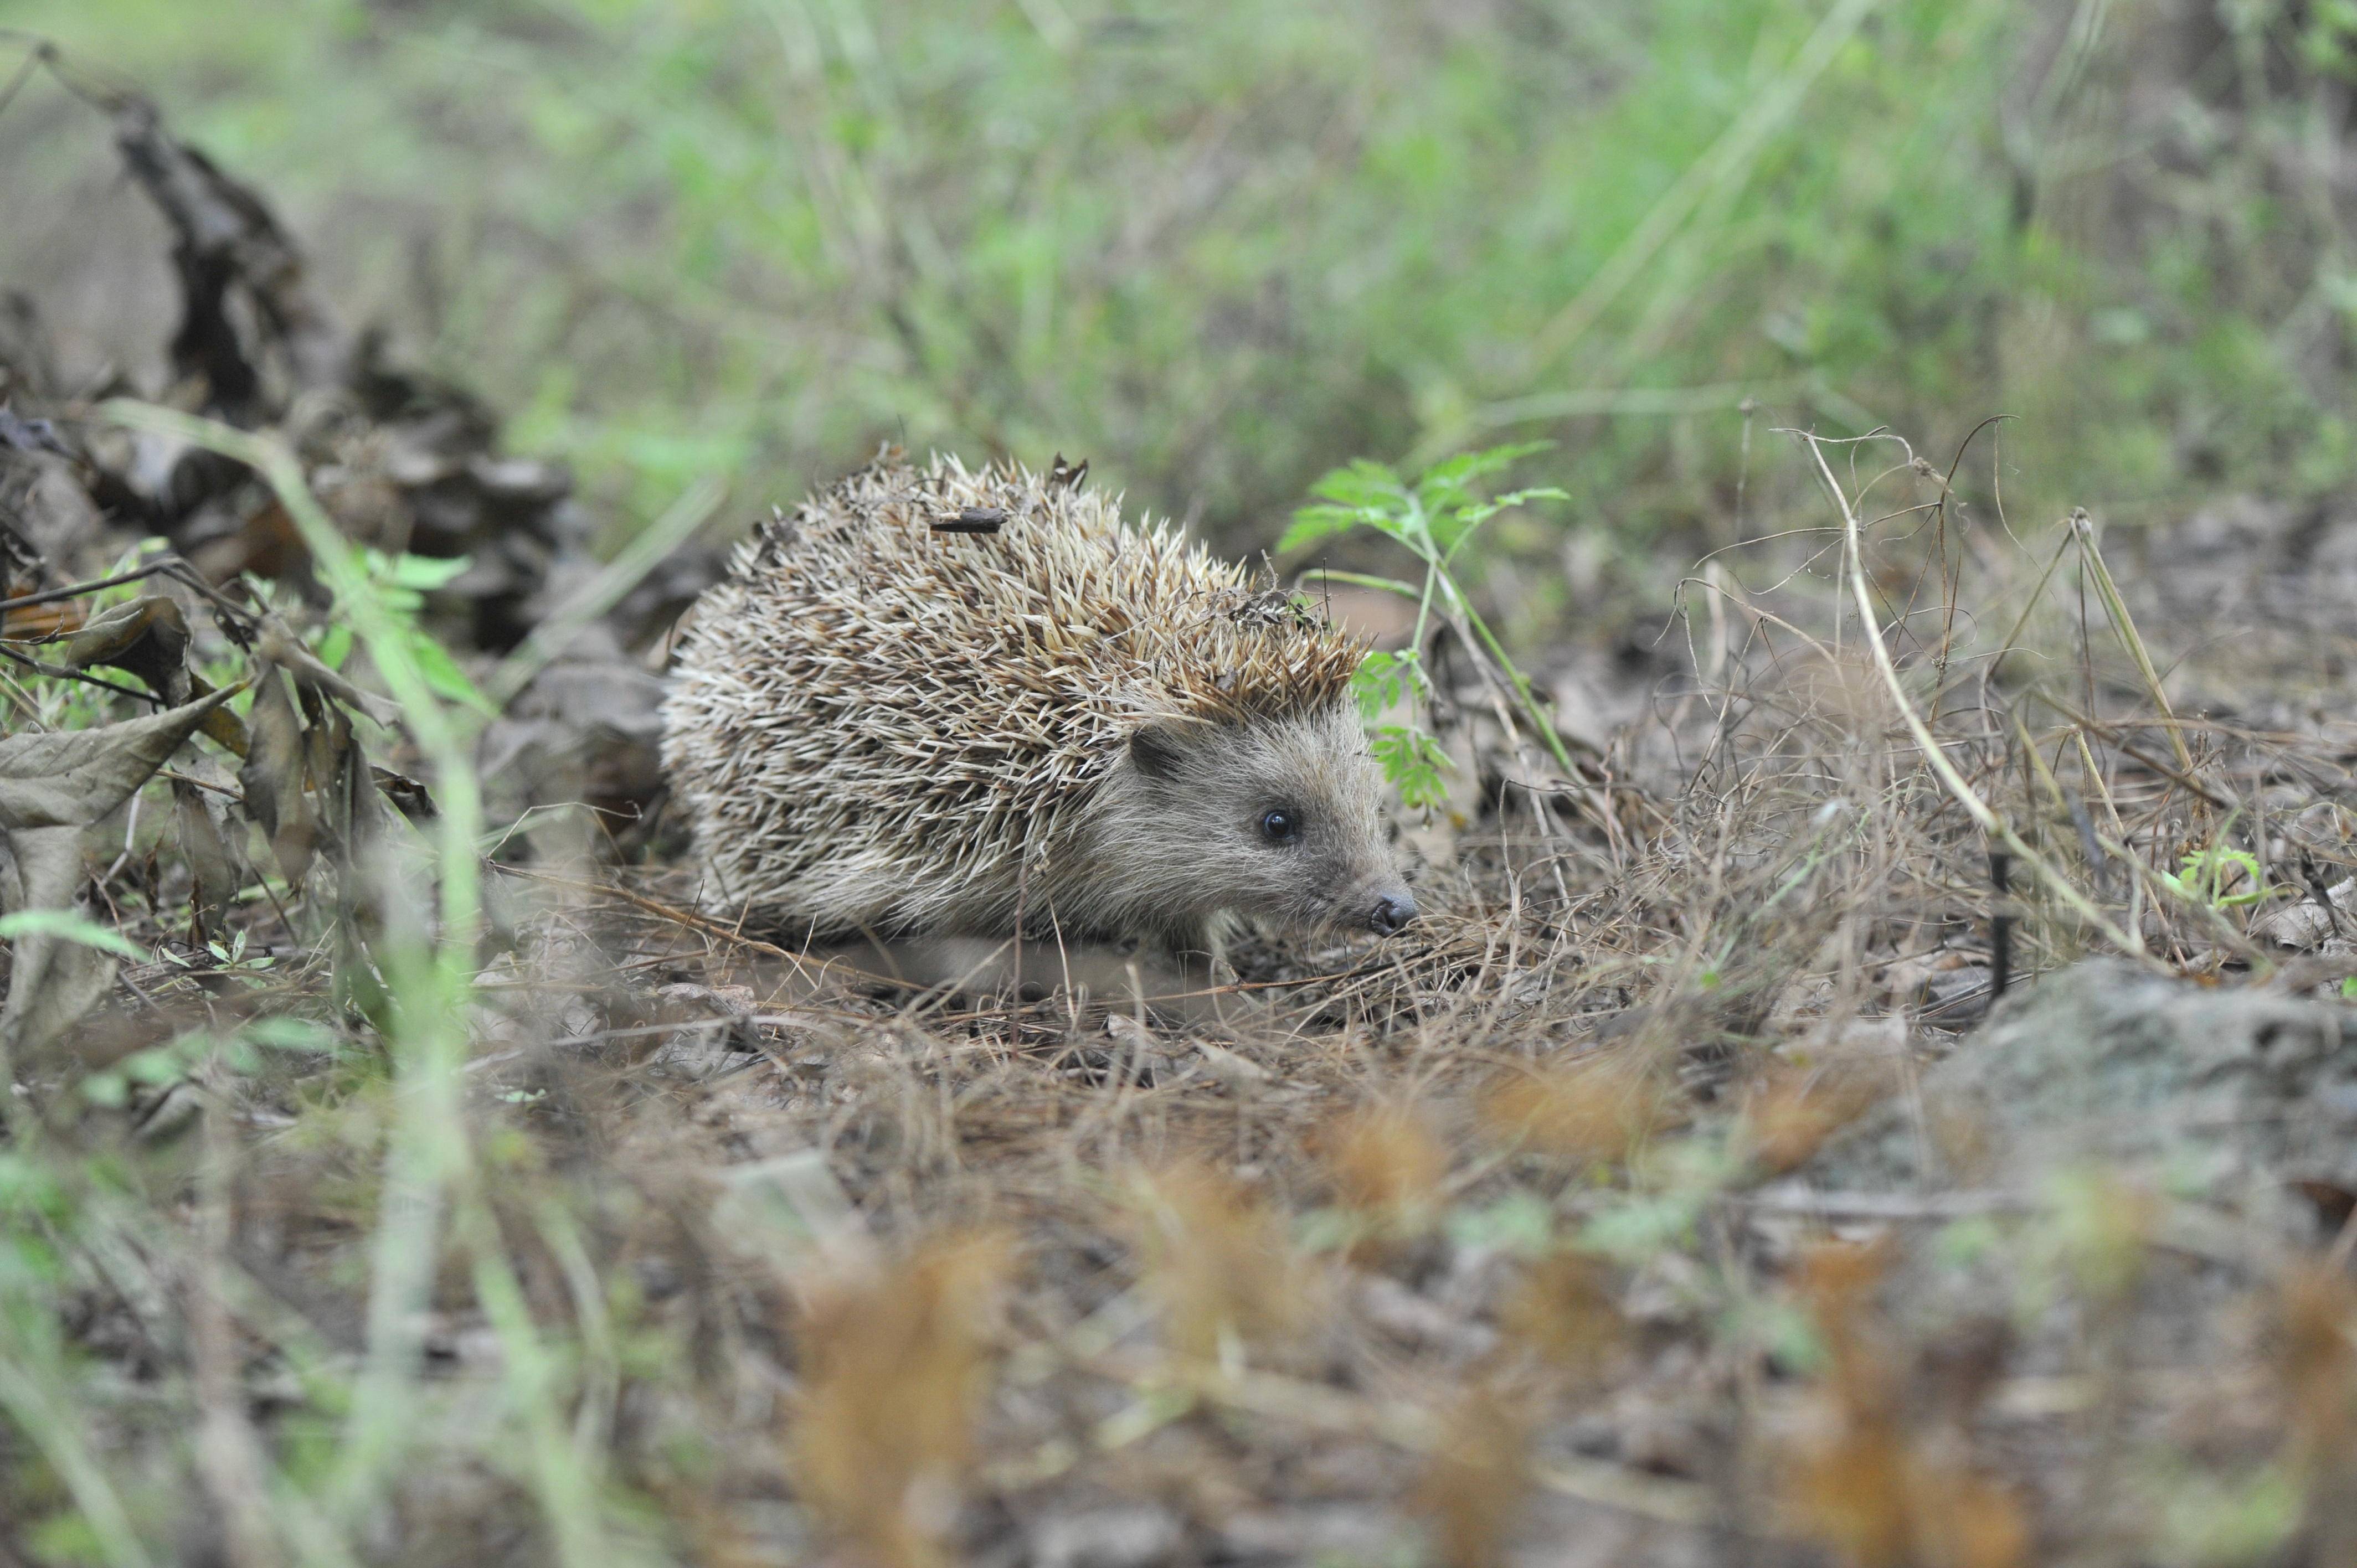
[[937, 700]]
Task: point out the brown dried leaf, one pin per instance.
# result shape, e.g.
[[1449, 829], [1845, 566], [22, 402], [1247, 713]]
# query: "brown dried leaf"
[[280, 647], [51, 787], [409, 797], [148, 637], [273, 777], [347, 783], [229, 238], [211, 864]]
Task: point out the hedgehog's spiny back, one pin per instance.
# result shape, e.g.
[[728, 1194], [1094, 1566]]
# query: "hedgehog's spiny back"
[[875, 723]]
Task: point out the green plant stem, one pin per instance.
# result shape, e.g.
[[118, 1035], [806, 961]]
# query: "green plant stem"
[[1466, 622], [430, 1166], [646, 551], [1364, 580], [1522, 684], [47, 1413], [2222, 930], [431, 975], [445, 738], [1414, 529], [560, 1475]]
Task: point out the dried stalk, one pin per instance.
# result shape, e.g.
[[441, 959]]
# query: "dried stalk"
[[1982, 813]]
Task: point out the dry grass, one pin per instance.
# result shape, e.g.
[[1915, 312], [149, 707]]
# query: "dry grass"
[[894, 1365], [1495, 1243]]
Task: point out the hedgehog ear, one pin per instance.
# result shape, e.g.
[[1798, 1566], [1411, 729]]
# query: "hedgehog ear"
[[1155, 750]]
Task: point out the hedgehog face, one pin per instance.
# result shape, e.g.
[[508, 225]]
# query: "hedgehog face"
[[1278, 819]]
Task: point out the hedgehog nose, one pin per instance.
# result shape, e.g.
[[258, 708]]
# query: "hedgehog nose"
[[1393, 912]]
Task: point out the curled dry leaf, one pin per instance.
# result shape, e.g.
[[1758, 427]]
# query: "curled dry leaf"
[[282, 648], [231, 244], [52, 787], [341, 774], [148, 637], [273, 777], [307, 783], [211, 866]]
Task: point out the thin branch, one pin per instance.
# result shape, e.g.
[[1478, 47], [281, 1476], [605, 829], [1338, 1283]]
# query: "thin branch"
[[1974, 806]]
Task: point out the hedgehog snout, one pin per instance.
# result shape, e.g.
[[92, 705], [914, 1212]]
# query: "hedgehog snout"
[[1392, 911]]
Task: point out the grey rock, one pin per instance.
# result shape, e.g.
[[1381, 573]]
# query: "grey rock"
[[2225, 1093]]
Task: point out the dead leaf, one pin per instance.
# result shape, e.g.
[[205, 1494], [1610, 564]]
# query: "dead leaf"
[[222, 726], [229, 241], [211, 864], [326, 736], [409, 797], [273, 777], [339, 773], [282, 648], [148, 637], [51, 787]]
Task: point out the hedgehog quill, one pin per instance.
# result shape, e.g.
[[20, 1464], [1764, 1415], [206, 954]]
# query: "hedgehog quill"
[[882, 725]]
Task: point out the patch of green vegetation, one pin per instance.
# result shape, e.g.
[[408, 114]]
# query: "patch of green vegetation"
[[2222, 877], [1436, 520], [1222, 248]]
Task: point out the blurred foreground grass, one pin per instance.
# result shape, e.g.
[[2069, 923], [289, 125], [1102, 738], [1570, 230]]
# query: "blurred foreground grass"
[[1220, 248]]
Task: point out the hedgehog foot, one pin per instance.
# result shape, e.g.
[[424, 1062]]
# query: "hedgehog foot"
[[1175, 990]]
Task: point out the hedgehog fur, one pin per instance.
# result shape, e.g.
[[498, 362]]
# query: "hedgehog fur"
[[1066, 724]]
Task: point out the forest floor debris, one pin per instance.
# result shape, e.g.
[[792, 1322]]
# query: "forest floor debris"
[[1671, 1194]]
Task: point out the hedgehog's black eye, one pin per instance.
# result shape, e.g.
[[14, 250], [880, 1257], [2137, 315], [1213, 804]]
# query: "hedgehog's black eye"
[[1280, 826]]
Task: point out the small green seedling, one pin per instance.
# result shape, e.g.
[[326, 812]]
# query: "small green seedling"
[[402, 583], [228, 959], [1434, 518], [2207, 875]]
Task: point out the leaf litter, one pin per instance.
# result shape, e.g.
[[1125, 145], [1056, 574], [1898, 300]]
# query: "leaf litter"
[[1677, 1191]]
